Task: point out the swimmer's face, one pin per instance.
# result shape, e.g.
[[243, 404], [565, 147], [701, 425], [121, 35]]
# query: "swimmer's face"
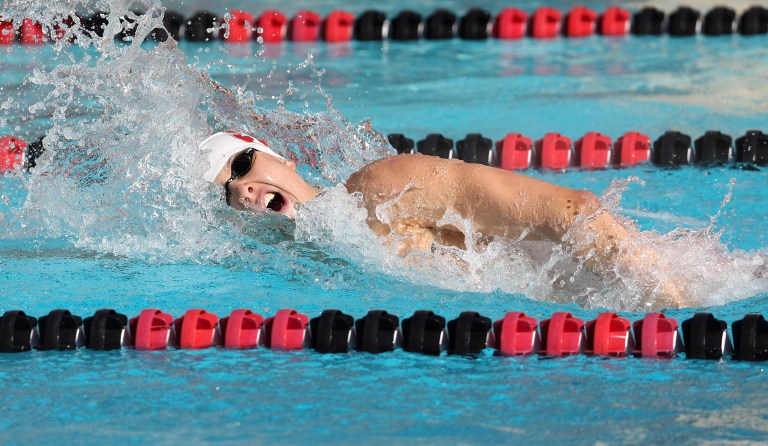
[[258, 181]]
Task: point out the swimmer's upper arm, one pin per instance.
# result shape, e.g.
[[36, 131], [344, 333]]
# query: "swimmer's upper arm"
[[373, 182], [413, 189], [383, 178], [505, 202]]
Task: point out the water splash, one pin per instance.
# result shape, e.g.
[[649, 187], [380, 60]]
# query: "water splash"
[[122, 175]]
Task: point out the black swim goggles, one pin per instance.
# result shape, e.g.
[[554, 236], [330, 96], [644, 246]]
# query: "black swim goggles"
[[241, 165]]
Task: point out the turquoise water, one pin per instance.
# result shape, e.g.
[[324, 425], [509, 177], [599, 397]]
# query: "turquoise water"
[[607, 85]]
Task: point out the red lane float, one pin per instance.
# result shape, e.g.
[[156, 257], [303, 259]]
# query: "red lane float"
[[631, 148], [32, 32], [656, 336], [338, 26], [197, 329], [271, 26], [286, 330], [553, 151], [515, 335], [511, 23], [615, 21], [11, 153], [514, 152], [239, 27], [151, 330], [580, 22], [241, 329], [608, 335], [593, 151], [561, 335], [545, 23], [305, 26], [7, 32]]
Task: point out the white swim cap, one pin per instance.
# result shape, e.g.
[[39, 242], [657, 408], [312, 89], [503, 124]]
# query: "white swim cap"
[[221, 146]]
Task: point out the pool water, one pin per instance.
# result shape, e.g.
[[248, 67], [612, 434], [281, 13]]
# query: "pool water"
[[70, 256]]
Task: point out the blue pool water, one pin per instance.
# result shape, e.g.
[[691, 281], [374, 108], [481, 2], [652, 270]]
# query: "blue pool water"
[[125, 248]]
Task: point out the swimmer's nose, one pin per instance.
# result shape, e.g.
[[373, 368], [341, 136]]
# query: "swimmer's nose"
[[243, 193]]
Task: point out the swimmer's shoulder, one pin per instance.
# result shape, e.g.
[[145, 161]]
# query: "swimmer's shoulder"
[[408, 164], [400, 169]]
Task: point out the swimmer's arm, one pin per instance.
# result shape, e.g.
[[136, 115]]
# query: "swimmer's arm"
[[603, 242], [504, 203], [497, 202], [423, 189]]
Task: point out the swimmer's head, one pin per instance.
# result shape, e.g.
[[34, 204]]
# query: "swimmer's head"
[[221, 146], [254, 176]]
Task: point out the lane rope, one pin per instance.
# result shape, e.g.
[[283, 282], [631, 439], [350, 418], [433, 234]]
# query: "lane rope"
[[553, 151], [273, 26], [515, 334], [593, 150]]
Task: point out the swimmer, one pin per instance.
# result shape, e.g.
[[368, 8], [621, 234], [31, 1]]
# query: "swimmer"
[[416, 191]]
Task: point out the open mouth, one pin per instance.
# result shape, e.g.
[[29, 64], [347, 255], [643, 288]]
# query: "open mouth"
[[275, 201]]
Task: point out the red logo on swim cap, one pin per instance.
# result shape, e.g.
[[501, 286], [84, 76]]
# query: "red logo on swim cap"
[[246, 138], [242, 136]]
